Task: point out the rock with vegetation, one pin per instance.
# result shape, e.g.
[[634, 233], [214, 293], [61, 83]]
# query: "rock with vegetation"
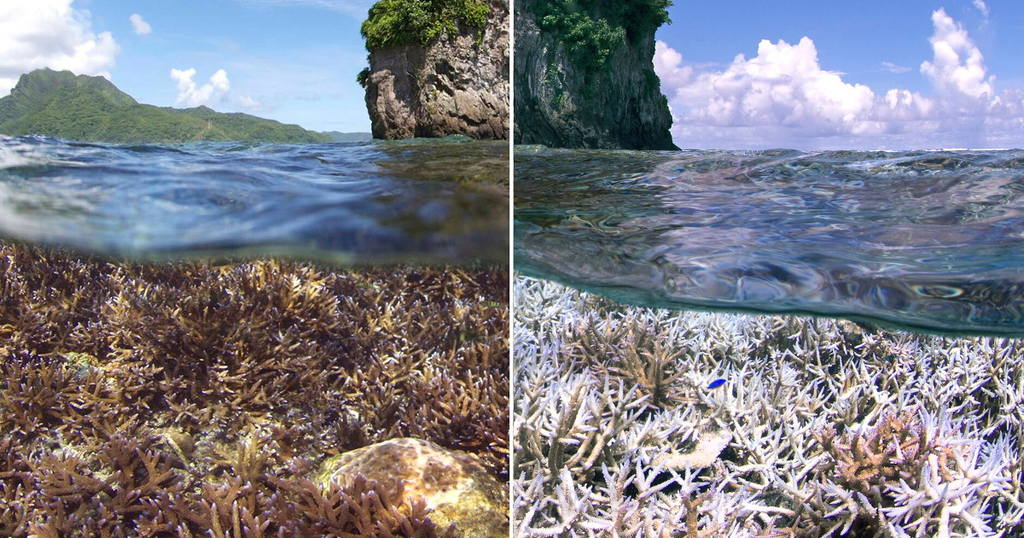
[[63, 105], [454, 486], [585, 74], [437, 68]]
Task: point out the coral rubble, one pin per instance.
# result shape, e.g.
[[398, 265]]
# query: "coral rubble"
[[832, 428], [199, 399]]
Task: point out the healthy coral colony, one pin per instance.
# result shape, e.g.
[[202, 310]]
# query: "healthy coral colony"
[[206, 400], [633, 421]]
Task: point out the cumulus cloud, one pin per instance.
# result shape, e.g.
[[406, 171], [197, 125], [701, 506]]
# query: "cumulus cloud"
[[668, 63], [958, 68], [139, 25], [51, 33], [784, 97], [192, 95]]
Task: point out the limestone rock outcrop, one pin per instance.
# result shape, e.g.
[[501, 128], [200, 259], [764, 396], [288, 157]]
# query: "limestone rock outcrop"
[[457, 85], [561, 103]]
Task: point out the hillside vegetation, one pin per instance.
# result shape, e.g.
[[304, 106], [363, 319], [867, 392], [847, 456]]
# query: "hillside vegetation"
[[78, 107]]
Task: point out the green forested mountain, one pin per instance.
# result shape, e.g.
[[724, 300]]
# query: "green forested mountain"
[[338, 136], [61, 104]]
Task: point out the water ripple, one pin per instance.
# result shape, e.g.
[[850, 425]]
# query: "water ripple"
[[419, 201], [921, 240]]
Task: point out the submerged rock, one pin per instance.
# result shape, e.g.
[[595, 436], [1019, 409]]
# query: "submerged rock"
[[585, 75], [455, 85], [455, 486]]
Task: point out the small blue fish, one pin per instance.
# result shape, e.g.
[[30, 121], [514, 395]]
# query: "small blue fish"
[[716, 383]]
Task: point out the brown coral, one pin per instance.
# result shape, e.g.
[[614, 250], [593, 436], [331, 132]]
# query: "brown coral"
[[196, 398], [895, 449]]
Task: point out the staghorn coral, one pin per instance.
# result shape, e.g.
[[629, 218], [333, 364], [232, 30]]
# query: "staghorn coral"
[[832, 428], [911, 472], [197, 398]]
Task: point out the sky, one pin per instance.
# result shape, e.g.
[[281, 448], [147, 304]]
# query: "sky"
[[872, 74], [290, 60]]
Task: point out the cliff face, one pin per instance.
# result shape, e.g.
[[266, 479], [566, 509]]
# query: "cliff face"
[[455, 85], [562, 101]]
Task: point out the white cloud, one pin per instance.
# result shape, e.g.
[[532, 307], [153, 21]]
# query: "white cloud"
[[668, 63], [958, 68], [191, 95], [139, 25], [895, 68], [51, 33], [783, 97], [982, 7]]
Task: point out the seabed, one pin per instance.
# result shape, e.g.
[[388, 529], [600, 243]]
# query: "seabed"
[[199, 399], [622, 426]]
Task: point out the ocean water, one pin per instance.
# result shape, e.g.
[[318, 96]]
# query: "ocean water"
[[921, 240], [415, 201]]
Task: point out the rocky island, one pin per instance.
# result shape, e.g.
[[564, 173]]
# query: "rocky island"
[[585, 74], [437, 71]]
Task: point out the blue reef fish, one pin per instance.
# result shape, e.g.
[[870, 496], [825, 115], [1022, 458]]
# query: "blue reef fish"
[[716, 383]]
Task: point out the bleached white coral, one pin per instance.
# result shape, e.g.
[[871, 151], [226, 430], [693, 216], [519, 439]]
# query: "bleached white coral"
[[605, 395]]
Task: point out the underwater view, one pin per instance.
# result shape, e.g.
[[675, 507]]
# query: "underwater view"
[[768, 343], [415, 201], [203, 339], [926, 240]]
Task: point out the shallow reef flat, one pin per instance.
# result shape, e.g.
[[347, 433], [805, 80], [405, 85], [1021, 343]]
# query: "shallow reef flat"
[[822, 427], [199, 399]]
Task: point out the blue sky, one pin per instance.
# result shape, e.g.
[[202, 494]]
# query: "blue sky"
[[866, 74], [290, 60]]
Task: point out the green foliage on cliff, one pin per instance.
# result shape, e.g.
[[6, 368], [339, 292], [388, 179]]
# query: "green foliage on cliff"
[[63, 105], [592, 29], [400, 22]]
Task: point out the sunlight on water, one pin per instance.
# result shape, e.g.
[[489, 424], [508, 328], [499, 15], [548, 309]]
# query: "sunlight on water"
[[920, 240]]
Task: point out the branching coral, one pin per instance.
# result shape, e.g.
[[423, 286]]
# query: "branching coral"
[[832, 429], [913, 472], [195, 399]]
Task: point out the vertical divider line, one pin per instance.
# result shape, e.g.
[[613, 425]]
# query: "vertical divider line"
[[511, 247]]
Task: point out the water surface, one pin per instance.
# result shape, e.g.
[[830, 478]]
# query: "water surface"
[[415, 201], [924, 240]]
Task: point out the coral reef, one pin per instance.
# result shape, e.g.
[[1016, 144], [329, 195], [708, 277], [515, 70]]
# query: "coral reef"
[[832, 428], [452, 484], [199, 399]]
